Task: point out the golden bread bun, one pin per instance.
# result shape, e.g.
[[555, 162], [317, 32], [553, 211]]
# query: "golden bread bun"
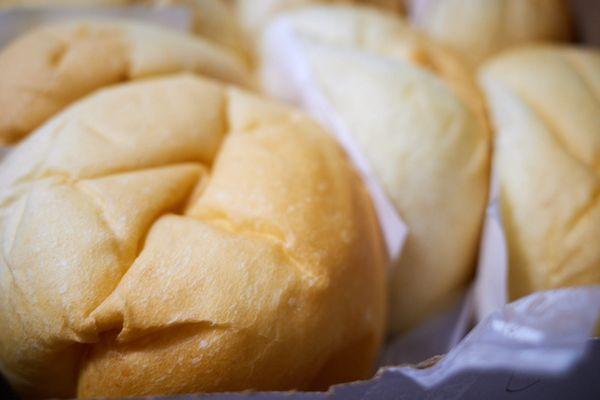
[[174, 236], [52, 66], [418, 118], [545, 109], [479, 28]]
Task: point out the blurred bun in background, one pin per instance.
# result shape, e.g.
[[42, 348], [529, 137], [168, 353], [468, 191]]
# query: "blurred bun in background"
[[544, 106], [477, 29]]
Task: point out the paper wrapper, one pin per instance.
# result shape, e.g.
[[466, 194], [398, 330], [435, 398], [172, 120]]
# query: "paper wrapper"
[[3, 152], [545, 332]]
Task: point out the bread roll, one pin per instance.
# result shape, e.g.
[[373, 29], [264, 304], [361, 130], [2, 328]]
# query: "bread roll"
[[178, 236], [52, 66], [478, 29], [545, 109], [418, 118]]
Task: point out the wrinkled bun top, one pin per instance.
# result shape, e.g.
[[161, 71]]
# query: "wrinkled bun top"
[[176, 236], [48, 68], [415, 113], [544, 104], [478, 29]]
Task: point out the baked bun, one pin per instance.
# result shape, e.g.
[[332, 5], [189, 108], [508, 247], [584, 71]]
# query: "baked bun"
[[174, 236], [416, 115], [478, 29], [544, 104], [52, 66]]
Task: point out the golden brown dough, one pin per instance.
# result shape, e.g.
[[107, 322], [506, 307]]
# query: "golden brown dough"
[[175, 235], [52, 66], [544, 101]]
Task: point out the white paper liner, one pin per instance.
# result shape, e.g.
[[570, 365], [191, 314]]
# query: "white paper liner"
[[436, 336], [491, 283], [16, 21], [545, 332], [3, 152]]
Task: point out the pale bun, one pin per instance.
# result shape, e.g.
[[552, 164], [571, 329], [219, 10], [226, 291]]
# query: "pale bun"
[[417, 116], [179, 236], [480, 28], [254, 15], [52, 66], [544, 104]]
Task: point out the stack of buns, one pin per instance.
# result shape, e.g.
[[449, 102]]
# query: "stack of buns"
[[163, 230]]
